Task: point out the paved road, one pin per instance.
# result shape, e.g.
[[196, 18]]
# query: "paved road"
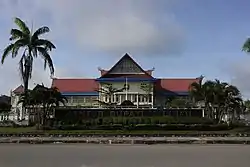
[[80, 155]]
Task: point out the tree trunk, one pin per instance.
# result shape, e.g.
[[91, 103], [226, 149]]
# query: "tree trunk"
[[26, 84]]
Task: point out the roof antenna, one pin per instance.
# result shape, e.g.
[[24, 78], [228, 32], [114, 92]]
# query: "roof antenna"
[[100, 69]]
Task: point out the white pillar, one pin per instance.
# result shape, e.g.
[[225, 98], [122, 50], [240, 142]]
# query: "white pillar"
[[152, 100], [137, 97]]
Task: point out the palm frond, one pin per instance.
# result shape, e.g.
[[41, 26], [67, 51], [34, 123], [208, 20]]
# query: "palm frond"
[[17, 45], [23, 27], [6, 52], [45, 43], [47, 59], [16, 34], [40, 31], [246, 46], [21, 67]]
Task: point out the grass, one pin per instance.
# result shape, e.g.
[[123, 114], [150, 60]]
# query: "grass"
[[19, 130]]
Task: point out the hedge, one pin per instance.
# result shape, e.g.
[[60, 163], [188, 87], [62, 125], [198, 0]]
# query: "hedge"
[[142, 120], [149, 127]]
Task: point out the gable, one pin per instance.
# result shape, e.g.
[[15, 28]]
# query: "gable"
[[126, 65], [19, 89]]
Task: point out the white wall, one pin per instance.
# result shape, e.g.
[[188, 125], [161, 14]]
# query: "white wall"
[[134, 87]]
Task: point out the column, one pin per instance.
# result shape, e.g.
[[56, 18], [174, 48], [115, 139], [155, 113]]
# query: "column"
[[71, 100], [152, 100], [203, 112], [137, 97]]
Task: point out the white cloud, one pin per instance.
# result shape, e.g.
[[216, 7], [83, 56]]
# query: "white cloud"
[[239, 72], [117, 26], [140, 27]]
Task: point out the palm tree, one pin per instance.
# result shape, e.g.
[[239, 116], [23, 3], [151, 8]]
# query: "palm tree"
[[31, 45], [43, 101], [29, 100], [219, 98], [203, 94], [48, 99], [246, 46]]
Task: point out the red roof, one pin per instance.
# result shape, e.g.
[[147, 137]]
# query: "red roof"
[[175, 85], [90, 85], [75, 85], [19, 89]]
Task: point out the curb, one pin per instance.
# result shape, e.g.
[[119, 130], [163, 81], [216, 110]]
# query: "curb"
[[132, 141]]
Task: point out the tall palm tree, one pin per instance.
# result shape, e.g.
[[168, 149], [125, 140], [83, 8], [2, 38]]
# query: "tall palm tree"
[[30, 45]]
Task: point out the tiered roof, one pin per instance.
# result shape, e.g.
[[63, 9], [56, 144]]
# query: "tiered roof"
[[125, 67]]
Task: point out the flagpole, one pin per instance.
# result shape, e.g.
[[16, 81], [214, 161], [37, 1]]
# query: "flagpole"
[[126, 83]]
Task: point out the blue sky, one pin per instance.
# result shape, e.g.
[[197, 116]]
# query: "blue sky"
[[179, 38]]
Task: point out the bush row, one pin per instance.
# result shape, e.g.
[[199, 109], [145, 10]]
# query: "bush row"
[[142, 120], [140, 127]]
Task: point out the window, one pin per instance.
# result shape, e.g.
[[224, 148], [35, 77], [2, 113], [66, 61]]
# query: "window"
[[130, 97], [141, 98], [117, 98], [78, 99], [135, 98], [150, 98], [105, 98], [122, 98]]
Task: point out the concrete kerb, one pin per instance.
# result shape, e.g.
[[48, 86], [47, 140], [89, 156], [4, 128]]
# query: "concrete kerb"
[[127, 140]]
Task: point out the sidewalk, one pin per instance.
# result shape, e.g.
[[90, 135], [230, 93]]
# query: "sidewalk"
[[128, 140]]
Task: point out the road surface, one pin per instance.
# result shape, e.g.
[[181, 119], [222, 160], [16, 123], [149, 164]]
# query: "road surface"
[[87, 155]]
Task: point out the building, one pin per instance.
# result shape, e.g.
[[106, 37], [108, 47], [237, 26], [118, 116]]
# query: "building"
[[138, 86], [5, 105], [16, 111]]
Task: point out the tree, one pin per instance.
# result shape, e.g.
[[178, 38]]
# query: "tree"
[[42, 101], [247, 105], [4, 107], [48, 99], [246, 46], [219, 99], [30, 45], [203, 94], [178, 102], [5, 103]]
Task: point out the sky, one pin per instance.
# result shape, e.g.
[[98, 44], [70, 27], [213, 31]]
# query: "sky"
[[179, 38]]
